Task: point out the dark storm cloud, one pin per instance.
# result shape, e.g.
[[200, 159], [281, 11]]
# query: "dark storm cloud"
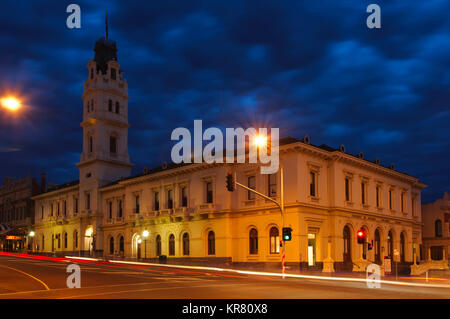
[[308, 67]]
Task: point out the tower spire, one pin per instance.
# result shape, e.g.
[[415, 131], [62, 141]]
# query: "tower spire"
[[106, 23]]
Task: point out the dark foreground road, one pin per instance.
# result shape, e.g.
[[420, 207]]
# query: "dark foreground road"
[[46, 278]]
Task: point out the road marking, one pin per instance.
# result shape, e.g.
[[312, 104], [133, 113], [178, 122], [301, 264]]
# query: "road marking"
[[122, 272], [27, 274], [147, 289]]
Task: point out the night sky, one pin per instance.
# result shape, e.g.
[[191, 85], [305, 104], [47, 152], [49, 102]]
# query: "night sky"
[[307, 67]]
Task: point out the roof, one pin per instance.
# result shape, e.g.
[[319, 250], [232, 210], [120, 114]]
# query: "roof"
[[283, 141]]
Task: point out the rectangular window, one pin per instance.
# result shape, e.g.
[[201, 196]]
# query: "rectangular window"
[[377, 194], [169, 199], [75, 204], [136, 204], [156, 201], [110, 210], [113, 144], [402, 200], [347, 189], [110, 105], [272, 185], [209, 192], [363, 193], [88, 201], [113, 73], [413, 204], [312, 184], [120, 209], [183, 197], [65, 208], [390, 199], [42, 212], [91, 144], [251, 183]]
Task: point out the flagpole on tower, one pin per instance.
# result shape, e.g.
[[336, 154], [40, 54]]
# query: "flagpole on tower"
[[106, 23]]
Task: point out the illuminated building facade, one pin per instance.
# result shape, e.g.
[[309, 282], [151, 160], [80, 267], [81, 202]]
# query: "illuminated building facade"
[[191, 217]]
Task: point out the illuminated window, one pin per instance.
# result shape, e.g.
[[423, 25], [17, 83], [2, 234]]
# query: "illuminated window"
[[274, 237], [171, 245], [169, 199]]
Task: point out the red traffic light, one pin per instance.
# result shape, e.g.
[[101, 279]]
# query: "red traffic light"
[[361, 234]]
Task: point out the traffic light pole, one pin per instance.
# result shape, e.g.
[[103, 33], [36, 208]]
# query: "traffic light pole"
[[280, 206]]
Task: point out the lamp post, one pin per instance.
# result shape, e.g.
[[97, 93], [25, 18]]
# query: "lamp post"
[[145, 235], [30, 238]]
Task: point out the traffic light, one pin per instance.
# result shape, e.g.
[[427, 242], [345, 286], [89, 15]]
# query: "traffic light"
[[361, 234], [370, 245], [230, 182], [287, 236]]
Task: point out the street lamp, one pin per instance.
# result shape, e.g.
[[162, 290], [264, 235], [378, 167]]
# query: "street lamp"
[[31, 235], [145, 235], [10, 103]]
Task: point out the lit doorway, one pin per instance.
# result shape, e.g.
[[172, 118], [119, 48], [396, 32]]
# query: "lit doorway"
[[311, 250]]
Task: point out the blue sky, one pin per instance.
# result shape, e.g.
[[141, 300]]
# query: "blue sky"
[[307, 67]]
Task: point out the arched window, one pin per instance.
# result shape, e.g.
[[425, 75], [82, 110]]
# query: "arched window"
[[65, 240], [274, 236], [377, 247], [347, 245], [402, 247], [117, 108], [186, 244], [121, 245], [390, 250], [158, 245], [111, 245], [43, 243], [438, 228], [171, 245], [211, 243], [253, 241]]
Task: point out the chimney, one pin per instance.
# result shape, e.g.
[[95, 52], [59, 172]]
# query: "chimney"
[[43, 182]]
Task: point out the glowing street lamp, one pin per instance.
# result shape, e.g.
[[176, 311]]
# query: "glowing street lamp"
[[10, 103], [145, 235], [31, 234], [30, 241], [260, 140]]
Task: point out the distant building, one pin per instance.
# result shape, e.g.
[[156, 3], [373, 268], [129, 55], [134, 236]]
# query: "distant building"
[[17, 211], [436, 228], [191, 217]]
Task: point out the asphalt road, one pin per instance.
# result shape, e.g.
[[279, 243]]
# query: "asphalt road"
[[46, 278]]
